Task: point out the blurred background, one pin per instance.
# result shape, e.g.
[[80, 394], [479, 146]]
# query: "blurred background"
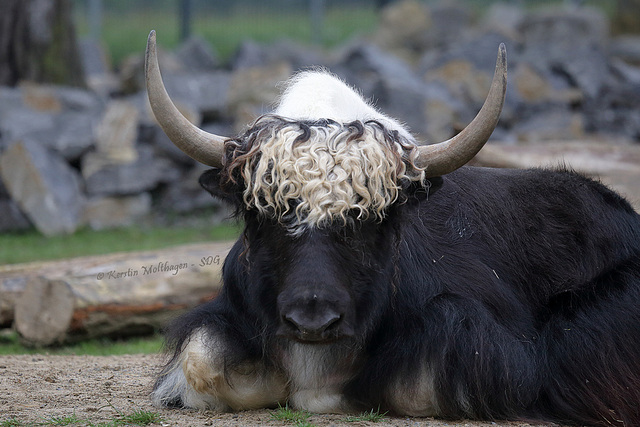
[[85, 170]]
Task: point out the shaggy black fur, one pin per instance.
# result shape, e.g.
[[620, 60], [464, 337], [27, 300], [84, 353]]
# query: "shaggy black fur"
[[520, 290]]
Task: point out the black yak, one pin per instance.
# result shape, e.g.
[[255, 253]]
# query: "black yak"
[[375, 272]]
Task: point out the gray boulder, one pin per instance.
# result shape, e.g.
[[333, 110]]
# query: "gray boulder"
[[45, 188], [12, 217], [196, 54], [570, 43], [388, 81], [110, 212], [207, 92], [104, 177]]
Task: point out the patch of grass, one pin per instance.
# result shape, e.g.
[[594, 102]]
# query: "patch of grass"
[[286, 414], [32, 246], [136, 418], [10, 344], [125, 33], [65, 420], [371, 416], [141, 418]]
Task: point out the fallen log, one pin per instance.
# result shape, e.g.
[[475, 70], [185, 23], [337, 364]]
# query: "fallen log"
[[116, 295]]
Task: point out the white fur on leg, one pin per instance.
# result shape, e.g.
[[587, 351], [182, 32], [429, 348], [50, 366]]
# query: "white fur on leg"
[[199, 380], [414, 396], [318, 374]]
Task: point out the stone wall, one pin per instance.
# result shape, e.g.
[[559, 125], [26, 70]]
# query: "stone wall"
[[71, 158]]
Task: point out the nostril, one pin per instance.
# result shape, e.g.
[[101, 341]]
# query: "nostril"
[[315, 324], [290, 321], [332, 323]]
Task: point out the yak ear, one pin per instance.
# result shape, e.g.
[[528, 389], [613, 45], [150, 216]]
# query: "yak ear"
[[210, 181]]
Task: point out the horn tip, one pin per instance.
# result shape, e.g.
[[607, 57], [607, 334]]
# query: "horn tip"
[[150, 51], [502, 55], [501, 62]]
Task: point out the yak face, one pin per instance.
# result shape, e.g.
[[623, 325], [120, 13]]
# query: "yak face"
[[318, 200]]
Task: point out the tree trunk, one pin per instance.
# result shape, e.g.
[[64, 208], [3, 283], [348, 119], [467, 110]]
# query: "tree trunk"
[[38, 43], [114, 295]]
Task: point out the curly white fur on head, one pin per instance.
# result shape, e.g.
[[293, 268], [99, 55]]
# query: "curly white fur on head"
[[312, 174]]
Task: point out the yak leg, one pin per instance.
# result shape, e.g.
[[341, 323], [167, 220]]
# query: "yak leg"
[[197, 378]]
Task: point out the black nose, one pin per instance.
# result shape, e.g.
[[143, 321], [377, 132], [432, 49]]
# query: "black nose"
[[314, 326]]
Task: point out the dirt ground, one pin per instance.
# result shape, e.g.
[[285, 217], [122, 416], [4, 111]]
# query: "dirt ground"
[[34, 389]]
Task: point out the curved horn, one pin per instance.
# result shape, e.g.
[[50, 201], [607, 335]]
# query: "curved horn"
[[445, 157], [202, 146]]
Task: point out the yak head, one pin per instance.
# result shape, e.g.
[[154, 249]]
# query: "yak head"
[[320, 185]]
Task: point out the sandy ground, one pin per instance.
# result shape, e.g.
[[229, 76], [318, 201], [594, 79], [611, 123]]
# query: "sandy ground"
[[37, 388]]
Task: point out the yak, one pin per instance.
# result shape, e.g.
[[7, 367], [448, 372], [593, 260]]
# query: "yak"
[[378, 272]]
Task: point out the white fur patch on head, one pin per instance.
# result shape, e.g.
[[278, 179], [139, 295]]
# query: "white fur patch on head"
[[311, 174]]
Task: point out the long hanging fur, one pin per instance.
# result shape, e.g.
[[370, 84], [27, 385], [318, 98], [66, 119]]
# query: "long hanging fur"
[[486, 294]]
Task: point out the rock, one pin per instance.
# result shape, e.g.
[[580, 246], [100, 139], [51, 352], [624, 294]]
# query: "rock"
[[616, 111], [74, 134], [388, 81], [116, 133], [186, 195], [18, 122], [441, 111], [503, 18], [464, 81], [479, 49], [104, 177], [251, 54], [252, 91], [207, 92], [58, 98], [627, 48], [624, 72], [248, 55], [196, 54], [570, 43], [40, 97], [403, 28], [451, 20], [110, 212], [60, 118], [466, 70], [550, 124], [12, 218], [45, 188]]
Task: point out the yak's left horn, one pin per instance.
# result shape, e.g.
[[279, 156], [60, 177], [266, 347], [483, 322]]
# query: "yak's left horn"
[[202, 146], [445, 157]]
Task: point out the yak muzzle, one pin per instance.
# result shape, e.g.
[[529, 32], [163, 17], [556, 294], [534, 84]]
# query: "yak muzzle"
[[314, 319]]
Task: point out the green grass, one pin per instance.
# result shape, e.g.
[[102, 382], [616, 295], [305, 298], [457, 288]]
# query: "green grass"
[[286, 414], [126, 33], [33, 246], [65, 420], [136, 418], [141, 418], [10, 344], [371, 416]]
